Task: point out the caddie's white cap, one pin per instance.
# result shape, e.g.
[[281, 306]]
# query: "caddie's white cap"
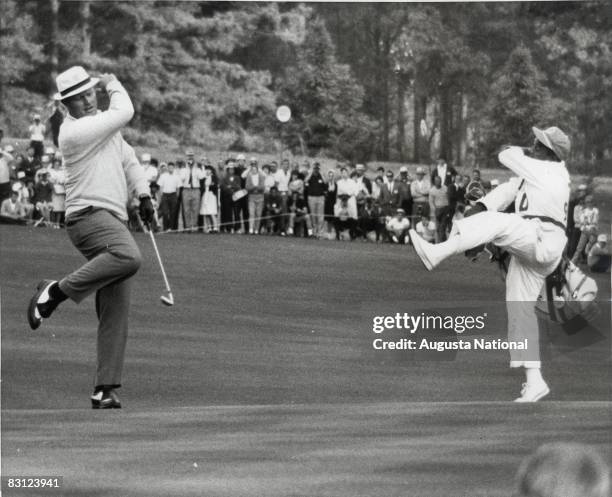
[[145, 157], [72, 82], [554, 139], [602, 238]]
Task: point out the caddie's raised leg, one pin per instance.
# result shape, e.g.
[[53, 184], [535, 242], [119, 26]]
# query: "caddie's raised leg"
[[510, 231]]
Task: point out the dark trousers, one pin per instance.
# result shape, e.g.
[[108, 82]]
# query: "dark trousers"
[[112, 258], [167, 208]]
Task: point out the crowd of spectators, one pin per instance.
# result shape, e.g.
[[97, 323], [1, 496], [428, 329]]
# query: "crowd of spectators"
[[299, 199], [289, 198]]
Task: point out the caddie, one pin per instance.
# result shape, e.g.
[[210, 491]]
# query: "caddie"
[[102, 172], [534, 235]]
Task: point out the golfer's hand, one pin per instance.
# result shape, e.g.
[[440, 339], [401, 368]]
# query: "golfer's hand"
[[146, 210], [106, 78]]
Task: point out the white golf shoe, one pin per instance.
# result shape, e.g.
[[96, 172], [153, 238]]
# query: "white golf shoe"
[[430, 254], [533, 392]]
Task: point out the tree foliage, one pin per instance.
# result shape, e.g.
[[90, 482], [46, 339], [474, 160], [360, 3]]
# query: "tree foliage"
[[360, 78]]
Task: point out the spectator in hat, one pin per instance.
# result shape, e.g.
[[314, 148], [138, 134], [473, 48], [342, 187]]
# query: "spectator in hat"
[[589, 225], [574, 209], [191, 176], [364, 185], [402, 196], [255, 186], [37, 136], [315, 190], [57, 177], [169, 185], [397, 227], [598, 258], [445, 172], [440, 208], [6, 161], [151, 171], [419, 190], [12, 211]]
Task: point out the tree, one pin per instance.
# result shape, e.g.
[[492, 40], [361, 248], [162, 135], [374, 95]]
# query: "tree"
[[519, 100], [325, 100], [18, 54]]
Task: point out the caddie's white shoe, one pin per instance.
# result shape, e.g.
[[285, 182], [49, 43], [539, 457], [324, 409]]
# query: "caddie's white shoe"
[[430, 254], [533, 392]]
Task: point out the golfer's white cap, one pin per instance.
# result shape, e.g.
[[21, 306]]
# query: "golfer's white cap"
[[72, 82], [554, 139]]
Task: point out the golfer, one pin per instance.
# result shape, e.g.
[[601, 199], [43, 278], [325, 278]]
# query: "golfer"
[[102, 172]]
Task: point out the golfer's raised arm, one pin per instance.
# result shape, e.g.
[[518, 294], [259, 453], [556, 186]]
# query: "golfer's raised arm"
[[92, 131]]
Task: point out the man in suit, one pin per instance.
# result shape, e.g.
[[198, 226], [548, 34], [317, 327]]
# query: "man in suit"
[[444, 171], [401, 192]]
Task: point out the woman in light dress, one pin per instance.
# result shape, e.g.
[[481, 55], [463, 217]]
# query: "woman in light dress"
[[209, 207]]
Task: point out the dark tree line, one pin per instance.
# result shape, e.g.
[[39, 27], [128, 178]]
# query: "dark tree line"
[[386, 81]]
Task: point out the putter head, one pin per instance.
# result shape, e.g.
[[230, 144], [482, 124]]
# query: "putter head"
[[167, 299]]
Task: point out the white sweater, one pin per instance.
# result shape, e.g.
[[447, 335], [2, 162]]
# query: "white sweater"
[[101, 168]]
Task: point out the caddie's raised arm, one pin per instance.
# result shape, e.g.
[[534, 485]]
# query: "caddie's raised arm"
[[501, 197]]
